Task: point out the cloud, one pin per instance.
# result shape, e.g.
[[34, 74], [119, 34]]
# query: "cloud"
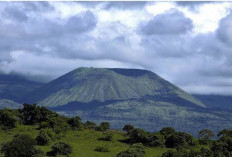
[[56, 37], [15, 14], [170, 22], [224, 31], [81, 22], [121, 5], [124, 5]]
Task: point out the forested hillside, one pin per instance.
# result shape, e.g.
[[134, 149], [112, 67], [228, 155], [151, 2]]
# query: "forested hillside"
[[35, 131]]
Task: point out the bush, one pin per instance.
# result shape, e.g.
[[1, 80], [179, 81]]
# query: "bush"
[[76, 123], [136, 150], [21, 146], [102, 149], [146, 138], [7, 119], [61, 148], [33, 114], [45, 137], [90, 125], [103, 126], [179, 139], [128, 128], [205, 136], [167, 132], [108, 136], [58, 124]]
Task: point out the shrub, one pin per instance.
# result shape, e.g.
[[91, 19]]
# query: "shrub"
[[33, 114], [167, 132], [179, 139], [61, 148], [128, 128], [108, 136], [103, 126], [146, 138], [58, 124], [90, 125], [76, 123], [45, 137], [102, 149], [136, 150], [21, 146], [7, 119], [205, 136]]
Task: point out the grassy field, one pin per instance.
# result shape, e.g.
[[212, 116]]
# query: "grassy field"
[[83, 142]]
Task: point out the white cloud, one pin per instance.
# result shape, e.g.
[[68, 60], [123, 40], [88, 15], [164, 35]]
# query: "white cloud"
[[57, 37]]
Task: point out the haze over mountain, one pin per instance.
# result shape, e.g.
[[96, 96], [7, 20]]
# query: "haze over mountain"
[[122, 96]]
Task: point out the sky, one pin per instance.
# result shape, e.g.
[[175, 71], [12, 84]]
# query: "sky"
[[186, 43]]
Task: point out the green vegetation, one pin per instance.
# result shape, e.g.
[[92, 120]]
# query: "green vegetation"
[[127, 96], [39, 135]]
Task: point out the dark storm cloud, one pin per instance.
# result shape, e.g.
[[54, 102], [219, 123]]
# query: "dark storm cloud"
[[171, 22]]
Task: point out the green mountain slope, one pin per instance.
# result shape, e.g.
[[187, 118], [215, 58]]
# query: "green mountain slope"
[[100, 84], [14, 87], [122, 96]]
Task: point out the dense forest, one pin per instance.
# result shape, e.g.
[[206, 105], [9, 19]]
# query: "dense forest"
[[35, 131]]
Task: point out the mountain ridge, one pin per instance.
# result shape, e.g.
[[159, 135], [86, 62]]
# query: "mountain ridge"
[[91, 84]]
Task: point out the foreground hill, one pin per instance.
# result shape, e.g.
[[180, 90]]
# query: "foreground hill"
[[122, 96], [14, 87], [34, 131]]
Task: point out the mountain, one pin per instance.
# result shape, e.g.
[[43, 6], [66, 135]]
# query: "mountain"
[[122, 96], [14, 87], [216, 102], [4, 103]]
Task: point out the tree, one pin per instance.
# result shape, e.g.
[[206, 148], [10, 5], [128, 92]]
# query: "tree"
[[45, 137], [167, 132], [136, 150], [7, 119], [76, 123], [225, 133], [32, 114], [179, 139], [205, 135], [103, 126], [138, 136], [155, 140], [61, 148], [146, 138], [21, 146], [128, 128], [58, 124]]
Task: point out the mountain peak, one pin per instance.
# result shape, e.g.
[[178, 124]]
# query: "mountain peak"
[[104, 84]]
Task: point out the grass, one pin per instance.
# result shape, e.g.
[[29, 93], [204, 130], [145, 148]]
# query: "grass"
[[83, 142]]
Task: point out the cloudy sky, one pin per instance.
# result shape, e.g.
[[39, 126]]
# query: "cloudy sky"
[[187, 43]]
